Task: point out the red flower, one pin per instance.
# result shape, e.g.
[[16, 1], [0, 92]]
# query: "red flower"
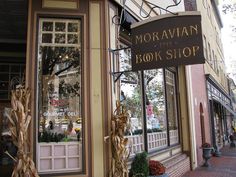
[[156, 168]]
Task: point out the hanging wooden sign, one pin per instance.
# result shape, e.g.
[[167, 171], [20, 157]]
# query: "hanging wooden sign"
[[167, 40]]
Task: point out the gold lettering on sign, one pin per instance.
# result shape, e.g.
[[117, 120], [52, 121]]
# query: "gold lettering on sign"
[[184, 32], [172, 32], [164, 35], [138, 59], [194, 29], [185, 52], [195, 49], [158, 55], [148, 57], [147, 37], [177, 32], [155, 36], [138, 39], [170, 54]]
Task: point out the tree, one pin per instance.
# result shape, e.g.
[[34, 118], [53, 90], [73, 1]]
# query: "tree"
[[228, 7]]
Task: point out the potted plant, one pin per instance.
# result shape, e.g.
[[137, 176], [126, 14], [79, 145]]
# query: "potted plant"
[[139, 166], [206, 153], [156, 169]]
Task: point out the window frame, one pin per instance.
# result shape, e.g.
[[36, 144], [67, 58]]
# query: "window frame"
[[10, 82], [116, 88], [82, 92], [124, 42]]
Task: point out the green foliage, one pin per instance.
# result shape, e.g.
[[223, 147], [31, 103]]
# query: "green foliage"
[[139, 166], [229, 7], [156, 130], [138, 132], [50, 137], [134, 103]]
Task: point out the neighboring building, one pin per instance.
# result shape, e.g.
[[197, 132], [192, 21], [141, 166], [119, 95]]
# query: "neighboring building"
[[231, 69], [232, 93], [211, 100], [220, 102]]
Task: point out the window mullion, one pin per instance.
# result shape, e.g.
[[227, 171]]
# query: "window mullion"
[[167, 118], [143, 86], [177, 104]]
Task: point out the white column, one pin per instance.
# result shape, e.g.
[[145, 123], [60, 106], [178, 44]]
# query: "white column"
[[191, 117]]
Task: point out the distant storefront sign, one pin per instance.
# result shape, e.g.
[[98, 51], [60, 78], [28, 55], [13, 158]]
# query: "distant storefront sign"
[[167, 40]]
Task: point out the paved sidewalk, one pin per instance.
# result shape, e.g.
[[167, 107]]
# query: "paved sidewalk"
[[224, 166]]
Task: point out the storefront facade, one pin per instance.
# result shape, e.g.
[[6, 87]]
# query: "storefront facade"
[[77, 84], [78, 64], [57, 40], [221, 112]]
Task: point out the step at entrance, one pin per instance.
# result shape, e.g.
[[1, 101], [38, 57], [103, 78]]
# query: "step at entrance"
[[177, 165]]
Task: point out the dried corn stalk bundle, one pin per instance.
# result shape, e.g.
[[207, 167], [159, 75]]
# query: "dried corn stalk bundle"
[[120, 152], [19, 122]]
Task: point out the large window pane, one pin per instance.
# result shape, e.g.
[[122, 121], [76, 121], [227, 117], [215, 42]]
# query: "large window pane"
[[131, 97], [155, 109], [129, 93], [157, 95], [171, 107], [59, 97]]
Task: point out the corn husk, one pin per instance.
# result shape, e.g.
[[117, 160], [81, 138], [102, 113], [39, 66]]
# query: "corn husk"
[[120, 153], [19, 119]]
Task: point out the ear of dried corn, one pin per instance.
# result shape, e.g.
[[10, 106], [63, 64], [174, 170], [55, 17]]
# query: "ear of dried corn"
[[19, 121], [120, 152]]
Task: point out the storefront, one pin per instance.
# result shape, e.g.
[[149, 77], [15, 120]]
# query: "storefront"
[[221, 113], [78, 64], [151, 100], [155, 99], [57, 56], [77, 83]]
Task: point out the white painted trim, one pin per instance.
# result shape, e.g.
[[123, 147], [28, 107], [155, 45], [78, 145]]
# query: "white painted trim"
[[191, 117], [52, 158]]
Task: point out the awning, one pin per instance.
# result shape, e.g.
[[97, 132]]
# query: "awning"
[[227, 107]]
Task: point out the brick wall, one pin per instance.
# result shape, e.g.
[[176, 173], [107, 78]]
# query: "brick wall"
[[177, 166]]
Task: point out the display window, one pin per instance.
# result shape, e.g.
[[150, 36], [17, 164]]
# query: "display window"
[[60, 121], [151, 101]]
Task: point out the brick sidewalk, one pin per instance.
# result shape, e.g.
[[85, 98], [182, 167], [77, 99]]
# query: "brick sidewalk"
[[224, 166]]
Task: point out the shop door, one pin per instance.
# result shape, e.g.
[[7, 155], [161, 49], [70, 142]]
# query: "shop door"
[[218, 130]]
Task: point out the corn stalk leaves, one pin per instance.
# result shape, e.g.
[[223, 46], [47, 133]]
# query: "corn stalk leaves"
[[120, 153], [19, 122]]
